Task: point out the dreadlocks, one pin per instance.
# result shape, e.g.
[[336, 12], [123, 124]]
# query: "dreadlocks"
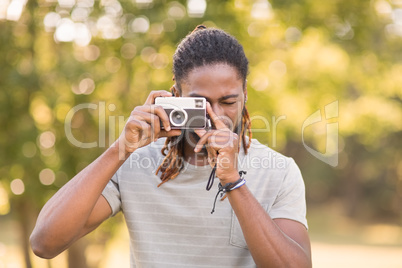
[[200, 48]]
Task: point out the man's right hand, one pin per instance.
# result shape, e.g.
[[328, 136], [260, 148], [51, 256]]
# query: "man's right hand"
[[144, 125], [79, 206]]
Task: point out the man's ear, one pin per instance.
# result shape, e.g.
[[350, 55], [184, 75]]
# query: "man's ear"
[[245, 94], [175, 91]]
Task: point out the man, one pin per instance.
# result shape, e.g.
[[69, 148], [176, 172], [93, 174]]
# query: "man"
[[260, 223]]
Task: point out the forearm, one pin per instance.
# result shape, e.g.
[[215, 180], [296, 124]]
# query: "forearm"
[[65, 216], [268, 244]]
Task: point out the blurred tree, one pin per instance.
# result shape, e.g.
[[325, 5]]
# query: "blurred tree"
[[105, 57]]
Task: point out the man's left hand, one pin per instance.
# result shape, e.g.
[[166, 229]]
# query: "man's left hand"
[[222, 145]]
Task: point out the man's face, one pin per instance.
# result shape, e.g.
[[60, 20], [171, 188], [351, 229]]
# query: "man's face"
[[222, 87]]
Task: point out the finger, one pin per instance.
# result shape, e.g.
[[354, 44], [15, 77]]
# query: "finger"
[[212, 154], [200, 132], [161, 113], [216, 139], [155, 94], [145, 132], [172, 133], [150, 119], [158, 111], [215, 119], [136, 133], [202, 141]]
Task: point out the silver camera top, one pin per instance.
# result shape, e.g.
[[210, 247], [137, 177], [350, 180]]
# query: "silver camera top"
[[182, 102]]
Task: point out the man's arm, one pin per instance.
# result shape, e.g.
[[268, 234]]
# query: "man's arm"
[[272, 243], [79, 207], [76, 209]]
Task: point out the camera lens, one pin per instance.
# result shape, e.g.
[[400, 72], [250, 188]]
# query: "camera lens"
[[178, 118]]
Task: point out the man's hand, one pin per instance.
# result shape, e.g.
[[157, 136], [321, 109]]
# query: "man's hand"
[[144, 125], [222, 145]]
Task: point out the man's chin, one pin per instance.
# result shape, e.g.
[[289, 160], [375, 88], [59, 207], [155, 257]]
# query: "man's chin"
[[192, 139]]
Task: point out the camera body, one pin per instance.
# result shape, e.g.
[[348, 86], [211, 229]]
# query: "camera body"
[[184, 112]]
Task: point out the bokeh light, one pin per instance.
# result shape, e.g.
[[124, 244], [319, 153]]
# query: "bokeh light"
[[80, 13], [176, 10], [47, 176], [383, 8], [47, 139], [143, 3], [262, 10], [113, 64], [260, 83], [86, 86], [91, 53], [277, 68], [140, 25], [17, 186], [293, 34], [14, 9], [51, 21], [147, 54], [196, 8], [82, 34], [40, 111], [159, 60], [66, 3], [128, 51], [68, 31], [109, 27], [4, 203], [65, 31]]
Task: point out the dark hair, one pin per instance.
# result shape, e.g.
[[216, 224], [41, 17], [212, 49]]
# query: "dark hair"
[[205, 47]]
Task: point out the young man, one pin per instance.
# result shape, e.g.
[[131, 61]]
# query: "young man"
[[260, 223]]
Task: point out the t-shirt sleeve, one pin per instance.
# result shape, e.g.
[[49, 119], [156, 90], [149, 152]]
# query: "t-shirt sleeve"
[[291, 200], [112, 194]]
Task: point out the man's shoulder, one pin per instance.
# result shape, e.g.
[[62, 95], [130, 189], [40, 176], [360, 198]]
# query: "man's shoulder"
[[257, 148], [262, 157]]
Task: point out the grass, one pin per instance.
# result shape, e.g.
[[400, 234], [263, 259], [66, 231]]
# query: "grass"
[[338, 241]]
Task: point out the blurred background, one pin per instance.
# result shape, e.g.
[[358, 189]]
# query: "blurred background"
[[304, 55]]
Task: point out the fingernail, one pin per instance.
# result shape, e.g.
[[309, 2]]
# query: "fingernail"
[[168, 128]]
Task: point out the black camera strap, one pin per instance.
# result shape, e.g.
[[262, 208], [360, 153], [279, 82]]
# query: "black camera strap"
[[211, 179]]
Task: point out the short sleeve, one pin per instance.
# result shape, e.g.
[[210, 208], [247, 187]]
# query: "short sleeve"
[[290, 202], [112, 194]]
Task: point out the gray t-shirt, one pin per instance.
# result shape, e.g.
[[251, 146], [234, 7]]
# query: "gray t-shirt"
[[172, 226]]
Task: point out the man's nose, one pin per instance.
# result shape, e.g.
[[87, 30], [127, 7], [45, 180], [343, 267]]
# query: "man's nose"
[[217, 108], [220, 113]]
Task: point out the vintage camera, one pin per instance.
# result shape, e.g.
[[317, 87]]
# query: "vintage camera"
[[184, 112]]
